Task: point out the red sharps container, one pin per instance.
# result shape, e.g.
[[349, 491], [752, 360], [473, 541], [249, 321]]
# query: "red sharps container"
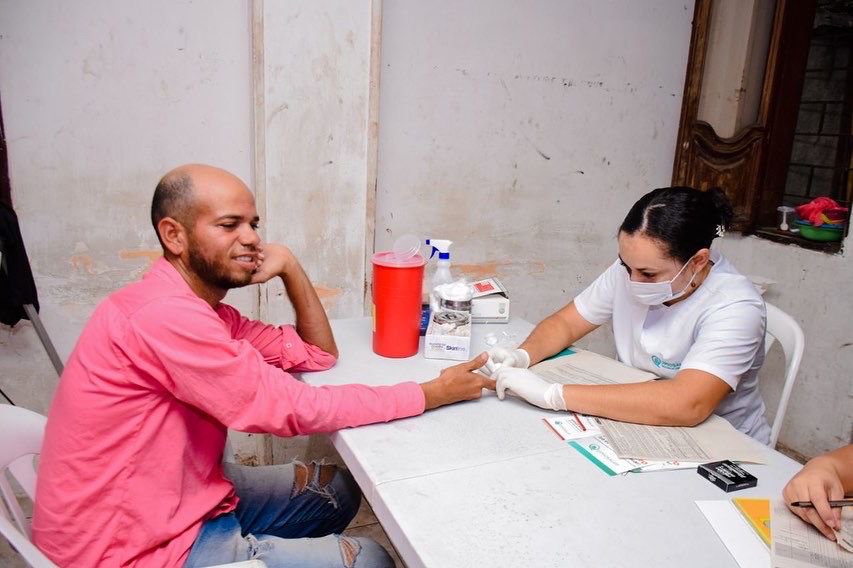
[[397, 281]]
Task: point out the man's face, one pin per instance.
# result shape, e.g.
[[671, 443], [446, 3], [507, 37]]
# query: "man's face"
[[223, 243]]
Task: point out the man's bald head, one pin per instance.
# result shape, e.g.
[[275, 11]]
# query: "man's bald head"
[[182, 191], [174, 197]]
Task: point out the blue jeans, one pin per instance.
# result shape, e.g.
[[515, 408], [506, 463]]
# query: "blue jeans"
[[288, 516]]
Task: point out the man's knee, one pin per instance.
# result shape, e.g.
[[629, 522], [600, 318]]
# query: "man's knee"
[[357, 552], [311, 476], [332, 482]]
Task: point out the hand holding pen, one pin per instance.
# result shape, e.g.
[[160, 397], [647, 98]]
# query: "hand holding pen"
[[816, 495]]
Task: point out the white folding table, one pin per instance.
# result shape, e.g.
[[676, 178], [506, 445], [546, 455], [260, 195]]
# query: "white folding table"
[[485, 483]]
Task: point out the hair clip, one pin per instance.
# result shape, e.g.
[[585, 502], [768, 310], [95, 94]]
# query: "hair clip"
[[721, 231]]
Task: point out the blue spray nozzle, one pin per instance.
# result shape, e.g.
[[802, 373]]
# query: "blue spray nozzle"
[[440, 246]]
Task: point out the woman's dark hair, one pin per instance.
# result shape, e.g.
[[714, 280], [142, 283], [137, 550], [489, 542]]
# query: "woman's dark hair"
[[683, 219]]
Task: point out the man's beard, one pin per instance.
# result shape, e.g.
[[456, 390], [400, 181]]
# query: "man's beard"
[[214, 272]]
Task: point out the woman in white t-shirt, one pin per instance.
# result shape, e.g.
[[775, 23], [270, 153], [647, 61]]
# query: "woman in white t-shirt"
[[679, 310]]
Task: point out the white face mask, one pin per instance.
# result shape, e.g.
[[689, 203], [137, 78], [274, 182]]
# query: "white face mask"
[[656, 293]]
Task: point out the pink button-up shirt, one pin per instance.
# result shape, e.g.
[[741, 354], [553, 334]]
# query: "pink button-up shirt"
[[131, 462]]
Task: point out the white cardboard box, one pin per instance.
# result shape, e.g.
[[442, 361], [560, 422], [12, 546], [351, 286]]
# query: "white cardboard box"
[[490, 303], [447, 341]]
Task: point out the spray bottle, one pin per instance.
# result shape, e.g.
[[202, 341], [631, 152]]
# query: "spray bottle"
[[442, 270]]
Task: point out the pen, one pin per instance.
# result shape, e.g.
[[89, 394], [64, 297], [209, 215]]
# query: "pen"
[[552, 429], [578, 420], [833, 504]]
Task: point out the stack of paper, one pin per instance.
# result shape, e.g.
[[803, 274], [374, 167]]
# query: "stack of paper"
[[783, 540], [797, 544], [584, 434], [713, 440]]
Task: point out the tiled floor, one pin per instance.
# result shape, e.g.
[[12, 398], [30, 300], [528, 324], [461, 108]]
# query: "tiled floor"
[[9, 557]]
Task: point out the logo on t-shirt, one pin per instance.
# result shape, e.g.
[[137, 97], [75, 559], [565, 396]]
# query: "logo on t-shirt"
[[660, 363]]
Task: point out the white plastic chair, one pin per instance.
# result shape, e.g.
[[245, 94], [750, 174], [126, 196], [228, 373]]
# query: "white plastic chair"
[[783, 328], [21, 435]]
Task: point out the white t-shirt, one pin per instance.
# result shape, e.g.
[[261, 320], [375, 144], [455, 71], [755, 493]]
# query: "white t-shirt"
[[718, 329]]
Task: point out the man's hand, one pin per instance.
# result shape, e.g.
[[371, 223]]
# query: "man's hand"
[[460, 382], [503, 357], [312, 324], [819, 483], [529, 386], [273, 260]]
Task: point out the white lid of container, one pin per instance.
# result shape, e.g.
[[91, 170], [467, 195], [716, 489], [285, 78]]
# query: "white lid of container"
[[406, 253]]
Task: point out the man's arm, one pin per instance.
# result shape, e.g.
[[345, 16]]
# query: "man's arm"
[[191, 355], [312, 324]]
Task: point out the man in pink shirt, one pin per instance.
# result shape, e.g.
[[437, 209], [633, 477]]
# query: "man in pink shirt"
[[130, 472]]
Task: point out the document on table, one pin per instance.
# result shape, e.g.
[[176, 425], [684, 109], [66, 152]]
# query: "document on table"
[[797, 544], [597, 450], [712, 440], [573, 426], [794, 543], [588, 368], [744, 544]]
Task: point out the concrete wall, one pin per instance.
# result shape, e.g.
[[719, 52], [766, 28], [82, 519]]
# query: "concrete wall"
[[313, 147], [813, 287], [100, 98], [522, 132], [314, 158]]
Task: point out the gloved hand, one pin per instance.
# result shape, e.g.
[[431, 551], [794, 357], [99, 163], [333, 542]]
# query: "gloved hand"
[[503, 357], [529, 386]]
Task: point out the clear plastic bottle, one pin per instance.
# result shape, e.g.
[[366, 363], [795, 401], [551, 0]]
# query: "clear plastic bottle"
[[442, 274]]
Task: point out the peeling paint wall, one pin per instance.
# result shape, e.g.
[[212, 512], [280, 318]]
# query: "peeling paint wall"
[[314, 107], [524, 131], [813, 287], [312, 97], [99, 100]]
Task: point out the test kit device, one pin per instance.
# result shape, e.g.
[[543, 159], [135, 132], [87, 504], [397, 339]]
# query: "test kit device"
[[448, 335], [727, 475], [490, 303]]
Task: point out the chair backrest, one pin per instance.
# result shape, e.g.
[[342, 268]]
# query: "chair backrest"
[[783, 328], [21, 434]]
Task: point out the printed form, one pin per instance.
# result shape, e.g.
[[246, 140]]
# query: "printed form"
[[588, 368], [797, 544], [713, 440]]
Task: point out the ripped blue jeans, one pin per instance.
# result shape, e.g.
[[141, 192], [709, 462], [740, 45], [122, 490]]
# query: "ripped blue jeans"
[[288, 516]]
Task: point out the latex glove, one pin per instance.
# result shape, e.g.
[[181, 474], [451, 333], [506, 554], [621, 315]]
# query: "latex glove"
[[529, 386], [503, 357]]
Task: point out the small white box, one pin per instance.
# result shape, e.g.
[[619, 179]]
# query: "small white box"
[[448, 336], [490, 303]]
